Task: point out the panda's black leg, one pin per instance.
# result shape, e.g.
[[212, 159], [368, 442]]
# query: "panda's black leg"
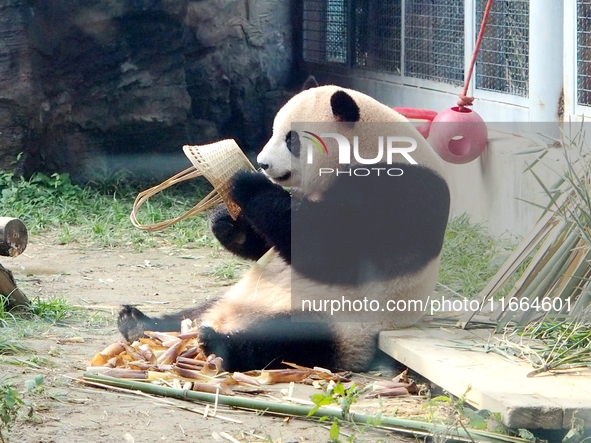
[[132, 322], [269, 342]]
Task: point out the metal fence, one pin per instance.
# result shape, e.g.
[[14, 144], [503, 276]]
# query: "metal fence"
[[370, 35], [503, 59], [325, 31], [377, 40], [584, 52], [434, 40]]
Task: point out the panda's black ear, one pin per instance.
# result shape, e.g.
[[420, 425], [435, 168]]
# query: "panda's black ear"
[[344, 107], [310, 83]]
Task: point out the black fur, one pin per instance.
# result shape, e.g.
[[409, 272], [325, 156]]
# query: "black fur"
[[237, 236], [269, 342], [351, 238], [264, 345], [266, 206], [132, 323], [292, 140], [344, 107]]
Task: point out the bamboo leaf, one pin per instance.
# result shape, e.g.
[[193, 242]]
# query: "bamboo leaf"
[[534, 150]]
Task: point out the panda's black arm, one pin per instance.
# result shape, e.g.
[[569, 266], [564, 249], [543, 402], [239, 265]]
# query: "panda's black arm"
[[267, 207], [237, 236]]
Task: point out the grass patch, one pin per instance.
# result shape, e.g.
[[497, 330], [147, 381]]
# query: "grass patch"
[[10, 403], [228, 272], [98, 214], [41, 316], [9, 346], [52, 310], [31, 361], [471, 256]]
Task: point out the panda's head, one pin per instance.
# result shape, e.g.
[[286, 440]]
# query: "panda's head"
[[283, 158]]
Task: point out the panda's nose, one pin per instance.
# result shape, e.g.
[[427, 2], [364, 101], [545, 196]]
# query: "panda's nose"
[[264, 166]]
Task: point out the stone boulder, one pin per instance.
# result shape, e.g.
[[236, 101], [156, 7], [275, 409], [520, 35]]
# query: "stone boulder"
[[89, 83]]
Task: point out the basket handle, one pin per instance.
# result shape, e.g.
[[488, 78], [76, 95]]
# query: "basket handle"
[[208, 201]]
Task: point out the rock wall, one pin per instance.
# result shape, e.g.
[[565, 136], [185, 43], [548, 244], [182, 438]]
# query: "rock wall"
[[85, 82]]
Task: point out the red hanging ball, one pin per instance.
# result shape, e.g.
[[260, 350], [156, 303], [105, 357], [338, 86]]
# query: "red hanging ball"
[[458, 135]]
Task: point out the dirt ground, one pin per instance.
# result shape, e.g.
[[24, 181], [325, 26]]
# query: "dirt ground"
[[156, 280]]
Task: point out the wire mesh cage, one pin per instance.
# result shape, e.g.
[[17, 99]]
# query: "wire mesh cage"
[[325, 31], [434, 40], [584, 52], [424, 39], [503, 59], [377, 40]]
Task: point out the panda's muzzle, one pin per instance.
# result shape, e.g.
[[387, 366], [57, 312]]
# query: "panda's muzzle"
[[281, 178]]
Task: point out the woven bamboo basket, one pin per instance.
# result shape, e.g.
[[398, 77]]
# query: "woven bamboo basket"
[[217, 162]]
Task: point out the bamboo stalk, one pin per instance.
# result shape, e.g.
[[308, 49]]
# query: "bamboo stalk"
[[515, 260], [584, 299], [303, 411], [550, 275], [545, 273], [573, 276], [539, 260]]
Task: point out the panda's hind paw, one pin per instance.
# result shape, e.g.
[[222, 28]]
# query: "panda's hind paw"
[[132, 323], [212, 342]]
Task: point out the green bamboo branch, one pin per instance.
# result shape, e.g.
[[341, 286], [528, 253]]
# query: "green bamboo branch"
[[400, 424]]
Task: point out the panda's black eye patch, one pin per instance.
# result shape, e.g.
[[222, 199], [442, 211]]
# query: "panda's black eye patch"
[[292, 140]]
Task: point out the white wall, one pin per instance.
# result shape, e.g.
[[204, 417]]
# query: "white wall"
[[495, 188]]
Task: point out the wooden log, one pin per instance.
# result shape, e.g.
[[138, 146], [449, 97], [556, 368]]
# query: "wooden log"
[[8, 289], [13, 236]]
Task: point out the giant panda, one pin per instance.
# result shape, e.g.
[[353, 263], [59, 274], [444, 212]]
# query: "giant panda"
[[375, 237]]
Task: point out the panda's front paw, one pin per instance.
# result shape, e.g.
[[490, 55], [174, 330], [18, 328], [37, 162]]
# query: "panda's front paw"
[[247, 185], [237, 236], [227, 230]]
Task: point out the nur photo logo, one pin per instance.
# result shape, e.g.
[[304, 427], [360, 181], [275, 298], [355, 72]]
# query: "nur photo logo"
[[318, 142], [391, 145], [384, 150]]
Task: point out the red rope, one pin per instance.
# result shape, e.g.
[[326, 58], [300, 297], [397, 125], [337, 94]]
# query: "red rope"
[[464, 99]]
